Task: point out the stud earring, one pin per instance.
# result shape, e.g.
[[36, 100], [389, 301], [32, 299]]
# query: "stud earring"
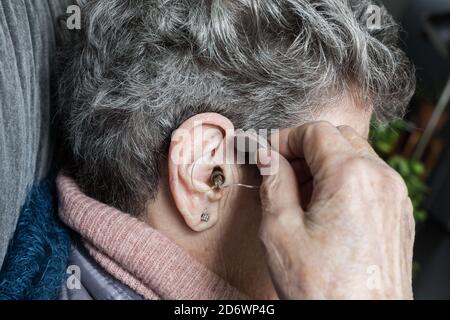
[[205, 217]]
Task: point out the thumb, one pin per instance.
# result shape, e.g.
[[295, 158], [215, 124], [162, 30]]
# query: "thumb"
[[279, 192]]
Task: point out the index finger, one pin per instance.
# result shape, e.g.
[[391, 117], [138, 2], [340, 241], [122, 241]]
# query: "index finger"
[[319, 143]]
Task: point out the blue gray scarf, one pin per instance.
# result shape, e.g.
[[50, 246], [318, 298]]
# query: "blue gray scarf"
[[35, 265]]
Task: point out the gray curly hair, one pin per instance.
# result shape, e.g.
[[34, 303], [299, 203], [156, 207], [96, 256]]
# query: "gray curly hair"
[[138, 68]]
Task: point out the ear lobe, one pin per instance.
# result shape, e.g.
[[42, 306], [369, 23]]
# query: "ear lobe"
[[197, 148]]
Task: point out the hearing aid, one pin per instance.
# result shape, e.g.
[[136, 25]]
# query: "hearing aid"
[[242, 147], [217, 178]]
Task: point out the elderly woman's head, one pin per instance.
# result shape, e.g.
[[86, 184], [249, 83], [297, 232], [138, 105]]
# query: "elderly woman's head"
[[138, 70]]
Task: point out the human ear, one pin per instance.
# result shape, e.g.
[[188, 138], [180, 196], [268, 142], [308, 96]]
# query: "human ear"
[[199, 148]]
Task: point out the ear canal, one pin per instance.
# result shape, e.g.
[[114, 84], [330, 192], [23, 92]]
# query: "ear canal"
[[217, 178]]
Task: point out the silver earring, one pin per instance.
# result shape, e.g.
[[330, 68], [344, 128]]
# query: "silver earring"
[[205, 217]]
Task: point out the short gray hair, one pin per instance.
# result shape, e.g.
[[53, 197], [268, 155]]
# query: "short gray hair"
[[138, 68]]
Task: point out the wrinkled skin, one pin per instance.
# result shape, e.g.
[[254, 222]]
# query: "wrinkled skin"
[[337, 221]]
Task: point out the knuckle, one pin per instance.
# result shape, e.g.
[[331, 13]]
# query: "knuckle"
[[318, 128], [356, 167], [320, 135], [396, 183], [346, 130], [379, 176], [360, 173], [323, 124]]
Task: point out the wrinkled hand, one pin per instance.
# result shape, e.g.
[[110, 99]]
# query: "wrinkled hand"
[[337, 221]]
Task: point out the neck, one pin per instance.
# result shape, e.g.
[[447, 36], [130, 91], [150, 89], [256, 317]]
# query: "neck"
[[231, 248]]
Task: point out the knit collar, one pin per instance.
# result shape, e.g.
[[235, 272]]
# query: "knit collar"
[[136, 254]]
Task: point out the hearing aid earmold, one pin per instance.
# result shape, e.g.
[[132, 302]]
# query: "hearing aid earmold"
[[217, 178]]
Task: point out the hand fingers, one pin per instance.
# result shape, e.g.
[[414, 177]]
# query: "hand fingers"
[[282, 226], [319, 143], [305, 181], [279, 189], [359, 144]]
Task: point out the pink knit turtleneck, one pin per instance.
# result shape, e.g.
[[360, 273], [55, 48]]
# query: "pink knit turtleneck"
[[136, 254]]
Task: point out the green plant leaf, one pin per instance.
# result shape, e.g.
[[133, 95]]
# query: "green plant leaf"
[[384, 140], [418, 167], [420, 215], [383, 147]]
